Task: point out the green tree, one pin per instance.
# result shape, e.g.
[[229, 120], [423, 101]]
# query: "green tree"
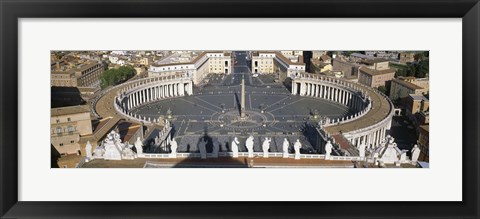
[[113, 77], [422, 68]]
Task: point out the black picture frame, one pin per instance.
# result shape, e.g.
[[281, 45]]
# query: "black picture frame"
[[12, 10]]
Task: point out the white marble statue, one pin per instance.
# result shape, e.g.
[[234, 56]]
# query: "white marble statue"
[[128, 154], [88, 150], [415, 153], [216, 148], [113, 150], [235, 144], [328, 149], [297, 147], [173, 148], [266, 146], [139, 146], [203, 148], [285, 147], [249, 145], [361, 149], [99, 152], [390, 154]]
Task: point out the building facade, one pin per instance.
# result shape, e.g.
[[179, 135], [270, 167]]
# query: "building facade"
[[423, 143], [67, 125], [375, 78], [284, 64], [198, 68], [406, 57], [349, 69], [403, 86], [81, 74]]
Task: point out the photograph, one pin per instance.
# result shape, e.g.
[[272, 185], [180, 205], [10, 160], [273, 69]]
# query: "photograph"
[[239, 109]]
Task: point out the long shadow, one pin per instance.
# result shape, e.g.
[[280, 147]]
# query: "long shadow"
[[220, 162], [239, 107], [310, 133], [54, 155]]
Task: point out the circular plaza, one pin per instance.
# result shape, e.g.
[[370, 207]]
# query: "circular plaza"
[[309, 108]]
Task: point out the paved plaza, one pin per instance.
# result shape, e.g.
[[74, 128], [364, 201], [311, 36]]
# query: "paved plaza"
[[212, 111]]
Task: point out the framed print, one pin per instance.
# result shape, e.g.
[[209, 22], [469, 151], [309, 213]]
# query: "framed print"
[[239, 109]]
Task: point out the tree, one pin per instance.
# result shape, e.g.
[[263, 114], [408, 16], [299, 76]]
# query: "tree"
[[113, 77], [422, 68], [401, 72]]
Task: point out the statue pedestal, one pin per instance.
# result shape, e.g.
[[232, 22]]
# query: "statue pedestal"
[[297, 156]]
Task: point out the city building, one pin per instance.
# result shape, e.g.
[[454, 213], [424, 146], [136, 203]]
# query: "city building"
[[415, 104], [374, 78], [67, 125], [318, 54], [321, 64], [196, 66], [403, 86], [349, 69], [423, 117], [423, 143], [78, 73], [376, 64], [284, 64], [406, 57]]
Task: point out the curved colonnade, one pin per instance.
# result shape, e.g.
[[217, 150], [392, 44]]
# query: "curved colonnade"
[[368, 125], [373, 110], [151, 89]]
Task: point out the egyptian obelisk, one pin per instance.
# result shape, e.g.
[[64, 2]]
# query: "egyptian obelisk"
[[242, 106]]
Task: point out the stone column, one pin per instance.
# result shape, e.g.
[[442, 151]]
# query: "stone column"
[[137, 94], [149, 91], [338, 96], [330, 93], [321, 91], [175, 90], [190, 89], [326, 93]]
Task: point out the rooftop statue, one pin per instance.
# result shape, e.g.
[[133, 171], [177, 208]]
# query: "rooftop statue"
[[139, 146], [328, 149], [297, 147], [235, 143], [266, 146], [173, 148], [415, 153], [249, 145], [285, 147]]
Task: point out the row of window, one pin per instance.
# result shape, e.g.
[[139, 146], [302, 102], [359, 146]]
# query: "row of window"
[[59, 129], [71, 142], [68, 120]]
